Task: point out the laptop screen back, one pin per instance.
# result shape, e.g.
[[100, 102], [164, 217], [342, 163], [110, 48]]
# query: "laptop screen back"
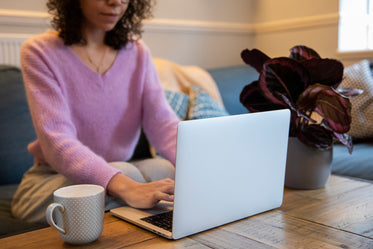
[[228, 168]]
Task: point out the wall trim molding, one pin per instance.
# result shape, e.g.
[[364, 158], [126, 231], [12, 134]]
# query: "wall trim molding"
[[41, 19], [23, 18], [196, 26], [355, 55], [331, 19]]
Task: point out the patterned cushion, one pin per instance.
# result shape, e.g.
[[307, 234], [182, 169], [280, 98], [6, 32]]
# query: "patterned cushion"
[[179, 103], [202, 105], [360, 76]]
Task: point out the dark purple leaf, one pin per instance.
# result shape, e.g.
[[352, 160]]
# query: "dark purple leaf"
[[283, 77], [253, 99], [333, 107], [301, 53], [346, 140], [291, 106], [254, 58], [295, 110], [325, 71], [316, 136], [304, 84], [350, 92]]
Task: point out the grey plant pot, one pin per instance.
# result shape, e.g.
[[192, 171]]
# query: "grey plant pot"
[[306, 167]]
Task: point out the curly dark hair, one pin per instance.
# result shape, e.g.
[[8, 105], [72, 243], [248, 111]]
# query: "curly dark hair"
[[68, 19]]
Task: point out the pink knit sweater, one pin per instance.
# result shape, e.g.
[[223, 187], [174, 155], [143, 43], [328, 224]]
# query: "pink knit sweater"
[[82, 119]]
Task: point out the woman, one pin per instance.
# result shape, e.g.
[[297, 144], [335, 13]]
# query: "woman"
[[91, 86]]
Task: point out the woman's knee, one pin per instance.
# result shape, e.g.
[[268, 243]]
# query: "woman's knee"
[[129, 170], [155, 169]]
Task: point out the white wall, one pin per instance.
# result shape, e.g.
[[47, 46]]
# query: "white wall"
[[313, 23], [323, 39], [212, 33], [274, 10], [35, 5], [207, 33], [208, 43], [279, 25], [206, 10]]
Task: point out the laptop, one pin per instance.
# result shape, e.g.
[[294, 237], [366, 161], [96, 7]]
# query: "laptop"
[[227, 168]]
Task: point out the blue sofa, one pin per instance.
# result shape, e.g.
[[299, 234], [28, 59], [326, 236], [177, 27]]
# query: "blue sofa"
[[16, 131]]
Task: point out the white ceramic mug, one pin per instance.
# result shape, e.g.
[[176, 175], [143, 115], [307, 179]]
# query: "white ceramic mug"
[[80, 213]]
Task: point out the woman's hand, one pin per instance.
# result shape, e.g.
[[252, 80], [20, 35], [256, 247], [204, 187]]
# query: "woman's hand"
[[141, 195]]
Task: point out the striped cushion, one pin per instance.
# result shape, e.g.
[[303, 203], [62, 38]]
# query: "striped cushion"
[[202, 105], [179, 103]]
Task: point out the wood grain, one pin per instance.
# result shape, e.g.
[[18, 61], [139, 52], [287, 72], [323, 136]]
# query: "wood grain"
[[337, 216], [280, 230], [339, 206]]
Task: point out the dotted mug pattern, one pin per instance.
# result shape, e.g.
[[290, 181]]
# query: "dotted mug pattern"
[[82, 219]]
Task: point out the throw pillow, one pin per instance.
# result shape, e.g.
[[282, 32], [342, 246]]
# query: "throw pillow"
[[360, 76], [202, 105], [179, 103]]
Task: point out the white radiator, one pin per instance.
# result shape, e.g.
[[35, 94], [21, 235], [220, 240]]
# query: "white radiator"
[[10, 45]]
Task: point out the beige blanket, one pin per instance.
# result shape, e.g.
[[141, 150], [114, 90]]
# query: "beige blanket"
[[179, 78]]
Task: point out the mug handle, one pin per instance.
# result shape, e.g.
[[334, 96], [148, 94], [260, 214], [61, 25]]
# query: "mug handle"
[[49, 216]]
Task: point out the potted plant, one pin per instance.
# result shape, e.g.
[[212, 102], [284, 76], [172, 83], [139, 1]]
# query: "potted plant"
[[306, 84]]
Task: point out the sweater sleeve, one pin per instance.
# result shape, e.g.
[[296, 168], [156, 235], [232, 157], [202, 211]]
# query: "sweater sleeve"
[[159, 120], [56, 133]]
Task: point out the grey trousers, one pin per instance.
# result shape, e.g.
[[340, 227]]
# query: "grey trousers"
[[35, 191]]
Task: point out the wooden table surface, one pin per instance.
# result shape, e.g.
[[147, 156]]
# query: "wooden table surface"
[[337, 216]]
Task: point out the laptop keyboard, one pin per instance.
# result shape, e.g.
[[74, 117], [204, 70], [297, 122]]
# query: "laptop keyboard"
[[162, 220]]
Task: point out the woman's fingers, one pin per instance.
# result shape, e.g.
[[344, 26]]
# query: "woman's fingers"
[[165, 185], [165, 190], [168, 189], [161, 196], [141, 195]]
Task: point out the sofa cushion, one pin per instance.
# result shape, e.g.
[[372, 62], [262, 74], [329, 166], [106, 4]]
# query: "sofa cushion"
[[360, 75], [16, 129], [202, 105], [179, 103], [230, 81], [358, 164], [179, 78], [9, 225]]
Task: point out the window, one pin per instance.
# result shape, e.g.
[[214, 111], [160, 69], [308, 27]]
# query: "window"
[[355, 25]]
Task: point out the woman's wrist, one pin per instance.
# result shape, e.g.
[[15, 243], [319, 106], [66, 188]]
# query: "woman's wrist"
[[118, 185]]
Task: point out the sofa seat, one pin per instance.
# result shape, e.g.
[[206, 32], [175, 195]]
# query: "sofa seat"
[[9, 225], [359, 164]]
